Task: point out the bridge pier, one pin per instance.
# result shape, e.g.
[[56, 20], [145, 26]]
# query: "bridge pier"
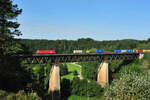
[[103, 74], [54, 83]]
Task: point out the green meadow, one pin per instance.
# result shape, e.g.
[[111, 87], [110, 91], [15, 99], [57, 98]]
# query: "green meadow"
[[71, 68]]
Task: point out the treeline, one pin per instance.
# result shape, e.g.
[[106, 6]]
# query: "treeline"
[[67, 46]]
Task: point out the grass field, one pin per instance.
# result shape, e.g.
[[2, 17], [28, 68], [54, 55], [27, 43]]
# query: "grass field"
[[71, 67], [75, 97]]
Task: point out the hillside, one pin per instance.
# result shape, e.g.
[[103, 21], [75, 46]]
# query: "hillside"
[[67, 46], [142, 65]]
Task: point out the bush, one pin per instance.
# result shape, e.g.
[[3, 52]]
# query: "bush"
[[65, 89], [131, 67], [21, 95], [63, 69], [3, 94], [130, 86], [149, 66], [114, 65], [94, 89], [85, 88], [147, 57], [33, 96], [75, 73], [89, 70], [12, 96]]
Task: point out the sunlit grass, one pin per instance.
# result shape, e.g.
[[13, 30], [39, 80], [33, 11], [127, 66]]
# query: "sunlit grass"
[[71, 69], [68, 76]]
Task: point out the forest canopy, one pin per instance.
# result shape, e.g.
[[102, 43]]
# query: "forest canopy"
[[67, 46]]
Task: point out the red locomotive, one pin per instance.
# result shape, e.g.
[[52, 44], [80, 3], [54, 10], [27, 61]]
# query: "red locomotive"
[[45, 51]]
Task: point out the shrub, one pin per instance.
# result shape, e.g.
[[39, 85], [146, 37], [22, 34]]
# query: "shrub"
[[12, 96], [63, 69], [75, 73], [89, 70], [114, 65], [132, 68], [149, 66], [3, 94], [21, 95], [32, 96], [65, 89], [130, 86], [85, 88], [94, 89]]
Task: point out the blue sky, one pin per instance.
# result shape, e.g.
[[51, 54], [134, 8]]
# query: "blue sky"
[[73, 19]]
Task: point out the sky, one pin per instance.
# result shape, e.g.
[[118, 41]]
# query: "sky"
[[74, 19]]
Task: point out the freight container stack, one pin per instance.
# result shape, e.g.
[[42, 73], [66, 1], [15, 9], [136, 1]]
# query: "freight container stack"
[[139, 51], [91, 50], [117, 51], [99, 51], [146, 51], [123, 51], [87, 51], [128, 51], [77, 51], [133, 50]]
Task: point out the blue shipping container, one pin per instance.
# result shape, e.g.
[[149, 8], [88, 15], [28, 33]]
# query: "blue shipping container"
[[99, 51], [117, 51], [128, 51]]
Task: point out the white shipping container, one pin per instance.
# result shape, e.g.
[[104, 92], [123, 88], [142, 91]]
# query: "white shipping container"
[[123, 50], [77, 51]]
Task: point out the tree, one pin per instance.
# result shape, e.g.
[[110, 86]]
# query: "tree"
[[130, 86], [75, 85], [9, 27], [13, 77], [65, 89], [63, 69], [89, 70], [85, 88], [75, 73]]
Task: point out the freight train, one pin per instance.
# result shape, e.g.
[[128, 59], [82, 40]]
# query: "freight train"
[[95, 51]]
